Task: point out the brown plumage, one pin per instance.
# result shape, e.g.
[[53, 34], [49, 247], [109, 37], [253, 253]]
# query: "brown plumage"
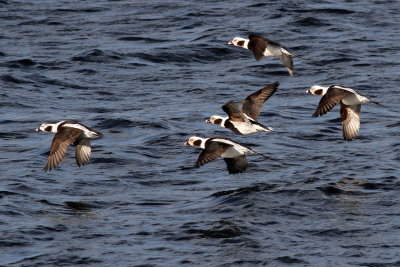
[[329, 100], [242, 119], [253, 103], [258, 44], [236, 165], [59, 146], [212, 151], [350, 116], [234, 112], [82, 151], [68, 133]]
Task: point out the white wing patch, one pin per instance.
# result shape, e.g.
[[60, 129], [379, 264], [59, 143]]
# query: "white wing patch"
[[345, 89], [76, 126], [86, 132], [239, 148], [248, 128], [225, 141]]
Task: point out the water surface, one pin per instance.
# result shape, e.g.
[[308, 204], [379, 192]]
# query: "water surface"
[[147, 74]]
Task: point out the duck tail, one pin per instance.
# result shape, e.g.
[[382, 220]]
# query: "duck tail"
[[379, 104]]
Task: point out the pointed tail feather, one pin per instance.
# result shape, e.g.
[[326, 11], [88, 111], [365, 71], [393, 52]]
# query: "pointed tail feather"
[[266, 157], [379, 104]]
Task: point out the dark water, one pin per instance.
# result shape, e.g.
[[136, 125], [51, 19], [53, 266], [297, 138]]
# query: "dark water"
[[146, 74]]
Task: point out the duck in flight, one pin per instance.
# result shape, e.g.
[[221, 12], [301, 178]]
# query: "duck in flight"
[[262, 47], [67, 133], [243, 120], [233, 153], [350, 106]]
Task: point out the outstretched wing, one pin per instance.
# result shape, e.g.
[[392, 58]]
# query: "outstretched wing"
[[288, 62], [257, 45], [332, 97], [236, 165], [82, 151], [59, 146], [234, 112], [350, 116], [211, 152], [253, 103]]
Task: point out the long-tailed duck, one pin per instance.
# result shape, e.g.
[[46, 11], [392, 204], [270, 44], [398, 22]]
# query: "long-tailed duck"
[[350, 102], [261, 46], [233, 153], [244, 120], [67, 133]]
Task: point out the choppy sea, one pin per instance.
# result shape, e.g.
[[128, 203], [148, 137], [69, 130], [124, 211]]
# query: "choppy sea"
[[147, 74]]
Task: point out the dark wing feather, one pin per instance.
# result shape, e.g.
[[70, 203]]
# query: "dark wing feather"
[[350, 116], [267, 41], [82, 151], [253, 103], [332, 97], [59, 146], [236, 165], [229, 125], [234, 112], [211, 152], [257, 45]]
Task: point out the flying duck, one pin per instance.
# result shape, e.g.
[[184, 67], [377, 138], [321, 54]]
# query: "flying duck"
[[243, 120], [232, 152], [67, 133], [350, 106], [261, 47]]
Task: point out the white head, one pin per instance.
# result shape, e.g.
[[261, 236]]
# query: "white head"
[[196, 142], [241, 42], [48, 127], [218, 120], [317, 90]]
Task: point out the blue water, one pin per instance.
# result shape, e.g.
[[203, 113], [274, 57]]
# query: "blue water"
[[147, 74]]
